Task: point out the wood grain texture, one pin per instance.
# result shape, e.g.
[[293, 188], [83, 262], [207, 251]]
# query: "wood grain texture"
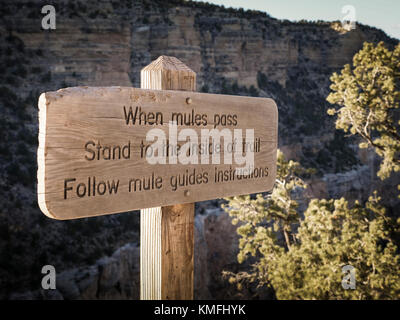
[[167, 269], [150, 253], [177, 241], [70, 186]]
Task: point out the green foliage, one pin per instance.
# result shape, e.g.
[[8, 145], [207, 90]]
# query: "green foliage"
[[303, 258], [253, 91], [46, 77], [233, 88], [205, 88], [7, 96], [368, 97], [262, 80]]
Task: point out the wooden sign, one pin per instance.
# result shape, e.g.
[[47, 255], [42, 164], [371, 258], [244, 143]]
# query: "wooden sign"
[[115, 149]]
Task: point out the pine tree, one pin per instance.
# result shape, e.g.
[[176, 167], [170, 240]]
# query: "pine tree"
[[368, 98], [302, 258]]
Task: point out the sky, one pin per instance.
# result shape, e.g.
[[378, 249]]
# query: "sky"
[[382, 14]]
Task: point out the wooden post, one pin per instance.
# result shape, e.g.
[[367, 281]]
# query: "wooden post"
[[166, 233]]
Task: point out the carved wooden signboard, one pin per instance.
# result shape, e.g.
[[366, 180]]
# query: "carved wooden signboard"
[[115, 149]]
